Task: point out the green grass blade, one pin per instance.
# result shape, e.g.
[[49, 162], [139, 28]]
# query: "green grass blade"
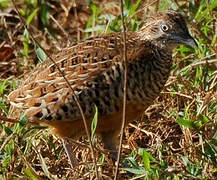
[[94, 123]]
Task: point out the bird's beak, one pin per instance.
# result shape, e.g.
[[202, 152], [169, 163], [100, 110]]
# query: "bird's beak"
[[186, 40], [190, 41]]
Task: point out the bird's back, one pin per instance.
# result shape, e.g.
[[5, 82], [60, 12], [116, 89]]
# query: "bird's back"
[[95, 71]]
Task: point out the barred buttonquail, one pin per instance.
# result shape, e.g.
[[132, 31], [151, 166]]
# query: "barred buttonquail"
[[95, 71]]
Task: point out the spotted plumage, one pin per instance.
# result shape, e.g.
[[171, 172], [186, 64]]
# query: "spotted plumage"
[[95, 71]]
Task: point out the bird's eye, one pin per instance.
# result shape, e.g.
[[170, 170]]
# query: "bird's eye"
[[164, 27]]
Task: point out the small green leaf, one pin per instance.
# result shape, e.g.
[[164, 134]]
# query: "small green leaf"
[[3, 107], [6, 161], [89, 1], [7, 149], [3, 86], [203, 118], [26, 36], [96, 28], [102, 158], [134, 7], [94, 123], [22, 12], [141, 152], [186, 123], [127, 4], [214, 172], [93, 7], [146, 157], [133, 162], [213, 4], [40, 54], [29, 173], [22, 119], [146, 160], [135, 171], [176, 177], [3, 4], [164, 164], [44, 13], [26, 43], [108, 17], [185, 160], [8, 130], [31, 16], [211, 152], [215, 136], [17, 127]]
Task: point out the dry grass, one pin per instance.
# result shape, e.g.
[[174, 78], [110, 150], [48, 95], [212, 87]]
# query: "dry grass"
[[183, 150]]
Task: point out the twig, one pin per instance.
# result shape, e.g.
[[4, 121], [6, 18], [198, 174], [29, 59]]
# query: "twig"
[[206, 62], [142, 130], [139, 177], [142, 9], [8, 119], [125, 92], [177, 93], [80, 144], [6, 141], [76, 17], [173, 79], [203, 62], [61, 28], [73, 93], [157, 6], [27, 163]]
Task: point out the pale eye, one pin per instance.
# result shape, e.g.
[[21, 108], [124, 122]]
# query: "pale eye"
[[164, 27]]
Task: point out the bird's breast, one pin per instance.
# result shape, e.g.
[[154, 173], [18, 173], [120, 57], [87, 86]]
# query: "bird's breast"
[[146, 80]]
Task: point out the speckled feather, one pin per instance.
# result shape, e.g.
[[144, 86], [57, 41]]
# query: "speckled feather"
[[95, 71]]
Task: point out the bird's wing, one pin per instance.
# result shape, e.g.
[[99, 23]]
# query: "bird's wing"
[[80, 63]]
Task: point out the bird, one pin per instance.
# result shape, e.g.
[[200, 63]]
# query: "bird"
[[95, 71]]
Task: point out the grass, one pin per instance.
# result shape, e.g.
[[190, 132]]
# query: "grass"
[[177, 136]]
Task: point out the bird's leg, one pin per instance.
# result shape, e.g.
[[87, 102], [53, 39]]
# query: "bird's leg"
[[67, 144], [110, 140]]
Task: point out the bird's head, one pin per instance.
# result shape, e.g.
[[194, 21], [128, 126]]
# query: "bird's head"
[[167, 30]]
